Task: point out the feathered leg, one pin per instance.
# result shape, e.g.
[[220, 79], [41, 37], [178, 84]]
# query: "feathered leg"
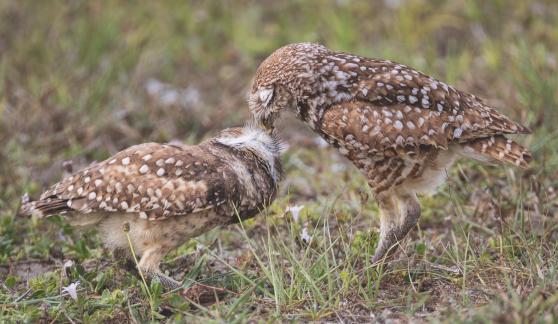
[[399, 214]]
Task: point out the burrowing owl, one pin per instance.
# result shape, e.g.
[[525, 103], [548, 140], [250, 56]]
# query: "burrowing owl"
[[401, 128], [169, 193]]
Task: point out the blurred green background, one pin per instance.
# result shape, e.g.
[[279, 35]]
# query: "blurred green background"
[[80, 80]]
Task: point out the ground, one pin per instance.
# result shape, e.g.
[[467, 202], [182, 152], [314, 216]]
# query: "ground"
[[80, 80]]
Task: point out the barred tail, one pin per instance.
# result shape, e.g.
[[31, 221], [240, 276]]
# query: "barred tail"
[[44, 207], [498, 148]]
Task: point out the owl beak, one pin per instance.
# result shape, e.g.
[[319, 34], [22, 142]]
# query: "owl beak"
[[266, 123]]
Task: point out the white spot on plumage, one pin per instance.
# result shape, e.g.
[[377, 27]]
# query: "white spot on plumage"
[[144, 168]]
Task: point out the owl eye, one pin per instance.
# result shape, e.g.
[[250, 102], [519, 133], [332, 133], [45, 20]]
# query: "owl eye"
[[266, 95]]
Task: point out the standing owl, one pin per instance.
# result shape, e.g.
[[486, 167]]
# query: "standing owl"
[[167, 193], [401, 128]]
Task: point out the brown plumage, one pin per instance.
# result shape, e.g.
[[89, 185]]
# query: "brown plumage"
[[400, 127], [168, 193]]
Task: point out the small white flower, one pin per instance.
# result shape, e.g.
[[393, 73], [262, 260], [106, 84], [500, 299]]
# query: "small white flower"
[[199, 247], [71, 290], [295, 211], [305, 236]]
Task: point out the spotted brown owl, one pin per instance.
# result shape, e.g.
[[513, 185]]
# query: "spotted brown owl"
[[168, 193], [403, 129]]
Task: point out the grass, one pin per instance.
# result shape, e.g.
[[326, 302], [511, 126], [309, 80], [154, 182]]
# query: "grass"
[[80, 80]]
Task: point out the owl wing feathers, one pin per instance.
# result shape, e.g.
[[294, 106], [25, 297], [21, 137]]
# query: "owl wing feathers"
[[154, 180], [401, 129], [385, 83], [382, 128]]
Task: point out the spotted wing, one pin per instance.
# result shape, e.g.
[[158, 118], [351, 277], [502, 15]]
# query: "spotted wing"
[[396, 86], [363, 128], [378, 128], [154, 180]]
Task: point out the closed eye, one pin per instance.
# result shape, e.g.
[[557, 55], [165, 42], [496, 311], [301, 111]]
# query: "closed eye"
[[266, 96]]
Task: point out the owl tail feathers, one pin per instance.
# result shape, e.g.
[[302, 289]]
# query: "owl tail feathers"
[[497, 148], [43, 208]]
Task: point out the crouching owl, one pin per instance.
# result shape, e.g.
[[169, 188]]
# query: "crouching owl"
[[168, 193]]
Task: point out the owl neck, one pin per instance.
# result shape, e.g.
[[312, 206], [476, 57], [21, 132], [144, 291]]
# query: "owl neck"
[[326, 87]]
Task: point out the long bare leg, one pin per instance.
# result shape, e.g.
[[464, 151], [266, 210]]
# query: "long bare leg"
[[399, 214]]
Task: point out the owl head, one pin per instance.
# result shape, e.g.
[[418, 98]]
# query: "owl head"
[[251, 140], [282, 80]]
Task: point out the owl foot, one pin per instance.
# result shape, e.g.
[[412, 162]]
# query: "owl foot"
[[167, 282]]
